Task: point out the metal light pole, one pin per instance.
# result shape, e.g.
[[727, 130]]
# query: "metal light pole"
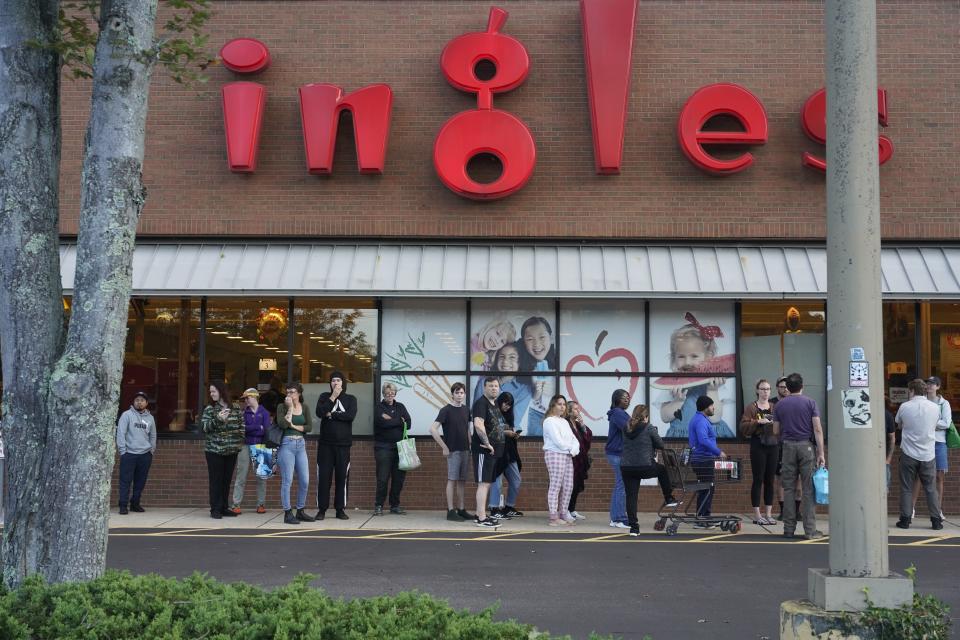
[[855, 409]]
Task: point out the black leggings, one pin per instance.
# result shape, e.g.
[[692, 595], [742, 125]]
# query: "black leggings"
[[763, 462]]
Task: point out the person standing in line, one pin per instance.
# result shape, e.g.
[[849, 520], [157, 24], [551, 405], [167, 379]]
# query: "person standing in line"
[[389, 421], [559, 448], [256, 421], [581, 461], [136, 442], [640, 443], [702, 438], [918, 418], [488, 444], [940, 437], [617, 418], [336, 410], [509, 465], [796, 420], [781, 394], [296, 422], [223, 426], [891, 438], [757, 426], [454, 420]]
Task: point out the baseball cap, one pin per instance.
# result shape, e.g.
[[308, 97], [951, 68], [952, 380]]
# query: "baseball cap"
[[250, 393], [933, 380]]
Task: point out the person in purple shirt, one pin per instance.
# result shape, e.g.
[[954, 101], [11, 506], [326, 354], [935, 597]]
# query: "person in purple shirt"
[[256, 421], [796, 419], [702, 437]]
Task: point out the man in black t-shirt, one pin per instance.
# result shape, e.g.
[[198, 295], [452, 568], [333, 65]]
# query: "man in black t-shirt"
[[488, 444], [454, 419]]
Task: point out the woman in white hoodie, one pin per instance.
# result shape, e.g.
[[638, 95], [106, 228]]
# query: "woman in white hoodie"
[[559, 448]]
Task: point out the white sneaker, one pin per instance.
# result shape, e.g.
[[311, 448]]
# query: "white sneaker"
[[578, 516], [619, 525]]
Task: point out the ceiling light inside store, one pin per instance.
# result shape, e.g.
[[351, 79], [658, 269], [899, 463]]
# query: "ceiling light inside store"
[[234, 337], [248, 341], [220, 333]]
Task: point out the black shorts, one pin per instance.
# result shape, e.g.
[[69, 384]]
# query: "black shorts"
[[484, 466]]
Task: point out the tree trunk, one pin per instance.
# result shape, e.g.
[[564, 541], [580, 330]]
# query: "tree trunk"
[[31, 311], [66, 538]]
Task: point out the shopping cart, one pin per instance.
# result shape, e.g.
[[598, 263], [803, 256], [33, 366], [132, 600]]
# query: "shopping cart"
[[685, 484]]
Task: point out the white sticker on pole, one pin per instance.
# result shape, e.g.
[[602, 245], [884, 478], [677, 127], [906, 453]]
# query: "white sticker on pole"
[[856, 409], [859, 374], [829, 378]]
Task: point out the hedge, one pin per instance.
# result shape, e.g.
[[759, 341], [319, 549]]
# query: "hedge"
[[121, 606]]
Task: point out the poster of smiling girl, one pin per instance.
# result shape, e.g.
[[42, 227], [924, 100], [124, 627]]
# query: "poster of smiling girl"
[[695, 343], [518, 346]]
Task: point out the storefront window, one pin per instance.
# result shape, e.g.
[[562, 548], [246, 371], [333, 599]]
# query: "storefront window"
[[424, 335], [602, 336], [246, 345], [594, 394], [161, 359], [337, 335], [899, 349], [692, 353], [945, 349], [780, 338], [423, 395]]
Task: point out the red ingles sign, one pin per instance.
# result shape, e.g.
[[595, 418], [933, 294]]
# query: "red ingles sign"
[[608, 36]]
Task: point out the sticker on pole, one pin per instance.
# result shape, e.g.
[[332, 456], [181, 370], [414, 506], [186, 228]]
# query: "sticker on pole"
[[856, 409], [859, 374], [857, 353]]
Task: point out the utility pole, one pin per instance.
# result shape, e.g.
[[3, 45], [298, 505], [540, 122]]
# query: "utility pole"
[[859, 555]]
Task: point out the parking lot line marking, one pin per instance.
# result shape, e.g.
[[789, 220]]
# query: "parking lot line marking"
[[501, 535], [712, 538], [171, 532], [278, 534], [824, 539], [396, 534], [602, 538], [926, 541]]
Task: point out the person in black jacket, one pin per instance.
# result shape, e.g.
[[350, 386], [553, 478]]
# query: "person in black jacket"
[[389, 419], [336, 410], [638, 462]]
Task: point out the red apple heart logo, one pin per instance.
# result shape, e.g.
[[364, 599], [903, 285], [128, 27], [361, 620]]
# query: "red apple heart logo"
[[630, 366]]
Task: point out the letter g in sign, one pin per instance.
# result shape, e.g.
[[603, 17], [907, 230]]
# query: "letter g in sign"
[[485, 129]]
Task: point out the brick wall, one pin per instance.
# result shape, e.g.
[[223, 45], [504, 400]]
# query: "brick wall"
[[680, 45], [178, 478]]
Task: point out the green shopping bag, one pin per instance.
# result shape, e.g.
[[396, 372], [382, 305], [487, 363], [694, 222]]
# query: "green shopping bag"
[[407, 450], [953, 438]]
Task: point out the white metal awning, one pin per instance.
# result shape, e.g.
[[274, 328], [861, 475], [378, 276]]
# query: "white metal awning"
[[424, 269]]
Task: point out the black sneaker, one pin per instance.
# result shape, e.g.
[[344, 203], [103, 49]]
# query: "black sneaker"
[[320, 515], [634, 531], [671, 502], [289, 517], [229, 514], [903, 523], [342, 515], [496, 515], [512, 512], [486, 522], [216, 515], [137, 508], [453, 516], [937, 523], [398, 511], [466, 515], [123, 510], [303, 517], [378, 510]]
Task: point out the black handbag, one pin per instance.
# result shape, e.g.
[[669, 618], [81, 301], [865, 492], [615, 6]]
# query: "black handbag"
[[273, 437]]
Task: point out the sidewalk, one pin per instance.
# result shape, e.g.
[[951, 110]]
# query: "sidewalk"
[[596, 522]]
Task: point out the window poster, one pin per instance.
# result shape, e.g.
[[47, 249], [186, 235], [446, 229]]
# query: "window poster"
[[594, 395], [515, 341], [424, 335], [605, 336], [692, 344]]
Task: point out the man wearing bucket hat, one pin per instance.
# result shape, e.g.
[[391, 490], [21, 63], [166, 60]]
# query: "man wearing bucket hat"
[[136, 442], [256, 421]]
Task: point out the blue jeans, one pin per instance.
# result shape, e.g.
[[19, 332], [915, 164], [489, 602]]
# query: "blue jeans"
[[512, 474], [293, 459], [618, 499]]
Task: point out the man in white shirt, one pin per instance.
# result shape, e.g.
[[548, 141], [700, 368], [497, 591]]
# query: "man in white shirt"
[[940, 447], [918, 419]]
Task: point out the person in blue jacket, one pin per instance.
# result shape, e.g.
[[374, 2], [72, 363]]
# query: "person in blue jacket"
[[618, 419], [702, 437]]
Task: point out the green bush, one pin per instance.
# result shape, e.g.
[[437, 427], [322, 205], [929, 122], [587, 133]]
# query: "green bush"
[[120, 606]]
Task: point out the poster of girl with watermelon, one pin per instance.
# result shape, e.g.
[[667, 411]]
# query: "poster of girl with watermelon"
[[695, 344]]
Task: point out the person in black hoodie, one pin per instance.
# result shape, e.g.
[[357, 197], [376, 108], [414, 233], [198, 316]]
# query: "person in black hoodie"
[[336, 410], [389, 419]]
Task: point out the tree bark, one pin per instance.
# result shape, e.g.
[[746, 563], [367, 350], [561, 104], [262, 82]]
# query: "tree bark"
[[65, 535], [31, 311]]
